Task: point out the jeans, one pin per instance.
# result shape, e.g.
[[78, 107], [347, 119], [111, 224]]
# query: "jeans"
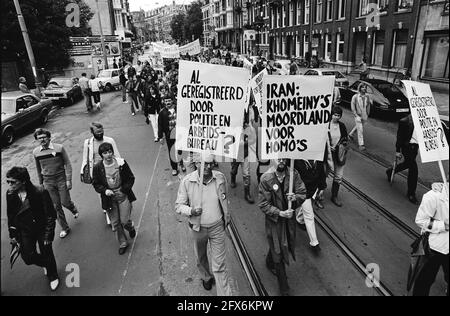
[[119, 216], [45, 258], [124, 93], [96, 95], [88, 100], [57, 188], [359, 128], [427, 275], [153, 118], [132, 97], [306, 216], [216, 237], [338, 171], [245, 170]]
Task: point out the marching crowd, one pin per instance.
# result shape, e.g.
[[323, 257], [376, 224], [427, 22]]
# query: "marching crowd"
[[32, 210]]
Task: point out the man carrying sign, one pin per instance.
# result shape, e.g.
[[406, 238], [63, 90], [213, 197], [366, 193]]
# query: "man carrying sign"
[[280, 222]]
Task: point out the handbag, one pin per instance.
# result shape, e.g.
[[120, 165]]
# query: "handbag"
[[86, 175], [340, 151]]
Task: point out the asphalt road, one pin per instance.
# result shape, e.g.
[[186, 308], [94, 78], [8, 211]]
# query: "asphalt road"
[[161, 259]]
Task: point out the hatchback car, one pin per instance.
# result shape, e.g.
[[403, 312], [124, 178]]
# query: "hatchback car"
[[341, 80], [64, 91], [108, 79], [386, 96], [21, 110]]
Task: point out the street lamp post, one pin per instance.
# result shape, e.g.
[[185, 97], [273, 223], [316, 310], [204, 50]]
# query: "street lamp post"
[[102, 40], [28, 47]]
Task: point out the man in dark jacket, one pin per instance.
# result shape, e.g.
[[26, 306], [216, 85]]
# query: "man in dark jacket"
[[274, 198], [31, 220], [152, 107], [407, 146], [113, 179], [123, 83]]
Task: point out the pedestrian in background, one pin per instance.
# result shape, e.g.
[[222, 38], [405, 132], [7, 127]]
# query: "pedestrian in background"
[[364, 69], [360, 106], [23, 85], [31, 220], [167, 119], [132, 87], [274, 198], [406, 148], [432, 216], [55, 174], [95, 89], [123, 82], [90, 151], [337, 136], [113, 179], [152, 109], [85, 88], [208, 218]]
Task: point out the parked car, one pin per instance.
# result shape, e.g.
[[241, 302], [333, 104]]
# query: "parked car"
[[341, 80], [64, 91], [20, 110], [385, 96], [281, 67], [108, 79]]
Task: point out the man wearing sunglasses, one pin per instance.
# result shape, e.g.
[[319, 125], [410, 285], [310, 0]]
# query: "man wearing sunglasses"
[[55, 174], [208, 217]]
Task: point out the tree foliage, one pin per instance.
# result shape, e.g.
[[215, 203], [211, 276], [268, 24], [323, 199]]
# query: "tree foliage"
[[177, 27], [47, 29], [194, 24]]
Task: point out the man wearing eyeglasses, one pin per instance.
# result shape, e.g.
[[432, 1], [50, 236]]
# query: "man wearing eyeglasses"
[[55, 174], [208, 217]]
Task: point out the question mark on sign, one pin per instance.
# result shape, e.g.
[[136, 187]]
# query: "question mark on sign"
[[442, 135], [227, 144]]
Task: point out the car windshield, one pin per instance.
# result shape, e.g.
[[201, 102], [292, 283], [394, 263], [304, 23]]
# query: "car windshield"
[[60, 82], [104, 74], [388, 88], [8, 106], [336, 74]]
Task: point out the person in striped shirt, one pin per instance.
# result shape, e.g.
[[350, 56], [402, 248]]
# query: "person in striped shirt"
[[55, 174]]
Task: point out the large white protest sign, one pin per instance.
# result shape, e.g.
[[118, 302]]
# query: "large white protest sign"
[[210, 109], [167, 51], [433, 145], [256, 86], [295, 116], [192, 48]]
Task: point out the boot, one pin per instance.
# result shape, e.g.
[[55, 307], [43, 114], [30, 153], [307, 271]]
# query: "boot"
[[248, 196], [334, 194], [233, 181]]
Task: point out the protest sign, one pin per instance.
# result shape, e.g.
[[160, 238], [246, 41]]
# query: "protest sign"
[[210, 109], [256, 86], [295, 116], [192, 48], [433, 145], [167, 51]]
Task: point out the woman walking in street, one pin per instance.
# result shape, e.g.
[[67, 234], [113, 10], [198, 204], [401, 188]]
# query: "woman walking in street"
[[337, 135], [360, 105], [113, 179], [93, 84], [152, 108]]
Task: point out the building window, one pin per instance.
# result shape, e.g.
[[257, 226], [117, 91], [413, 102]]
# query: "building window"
[[307, 7], [329, 10], [299, 12], [284, 16], [327, 52], [378, 48], [341, 9], [435, 60], [383, 5], [399, 51], [318, 11], [305, 44], [279, 17], [339, 47], [297, 47], [404, 5], [291, 14], [363, 8]]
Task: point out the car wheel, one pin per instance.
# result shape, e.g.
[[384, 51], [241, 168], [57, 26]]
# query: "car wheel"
[[44, 117], [8, 136], [108, 87]]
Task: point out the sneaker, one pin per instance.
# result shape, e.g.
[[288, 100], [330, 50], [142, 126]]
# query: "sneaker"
[[156, 140], [64, 233], [54, 284], [133, 114], [122, 250], [75, 215], [174, 172], [183, 168], [412, 199]]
